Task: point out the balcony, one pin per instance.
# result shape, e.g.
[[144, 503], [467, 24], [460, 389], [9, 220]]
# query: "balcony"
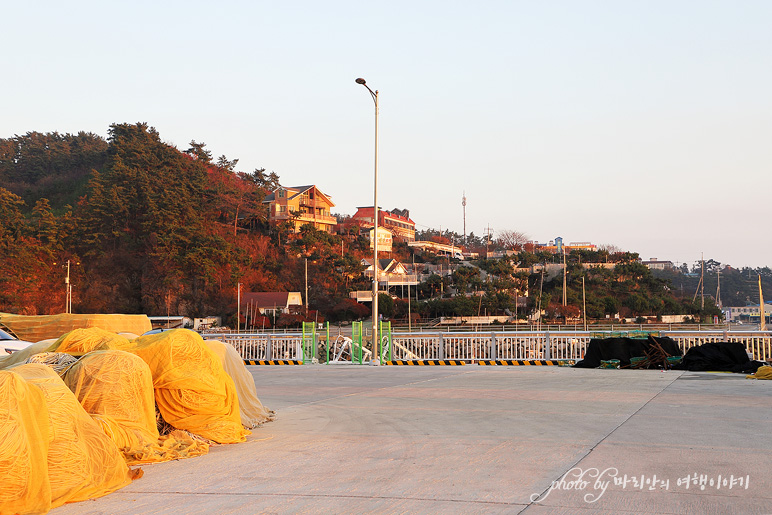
[[305, 218], [310, 217]]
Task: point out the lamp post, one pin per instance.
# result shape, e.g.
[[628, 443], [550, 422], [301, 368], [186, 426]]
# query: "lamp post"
[[376, 355], [238, 308], [68, 290], [68, 285]]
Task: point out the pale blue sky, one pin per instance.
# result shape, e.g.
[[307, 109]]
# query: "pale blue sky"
[[647, 125]]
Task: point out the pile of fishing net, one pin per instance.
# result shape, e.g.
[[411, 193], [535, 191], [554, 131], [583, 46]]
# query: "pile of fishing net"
[[51, 450], [197, 392]]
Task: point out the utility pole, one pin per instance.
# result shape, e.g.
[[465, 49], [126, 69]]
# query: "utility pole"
[[238, 308], [463, 204], [584, 306], [541, 289], [565, 272], [306, 287], [702, 283], [68, 291], [762, 315], [718, 289]]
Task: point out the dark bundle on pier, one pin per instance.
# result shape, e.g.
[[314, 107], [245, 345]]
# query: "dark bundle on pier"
[[719, 357], [623, 349], [654, 357]]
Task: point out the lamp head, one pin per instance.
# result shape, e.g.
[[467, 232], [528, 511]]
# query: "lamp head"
[[360, 81]]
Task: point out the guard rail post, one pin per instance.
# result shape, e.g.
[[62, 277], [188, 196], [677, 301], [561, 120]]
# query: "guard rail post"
[[441, 350], [268, 345], [547, 351], [493, 345]]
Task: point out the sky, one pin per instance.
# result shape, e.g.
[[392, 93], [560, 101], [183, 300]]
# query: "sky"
[[644, 125]]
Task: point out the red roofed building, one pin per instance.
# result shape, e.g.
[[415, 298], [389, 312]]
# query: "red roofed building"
[[397, 221]]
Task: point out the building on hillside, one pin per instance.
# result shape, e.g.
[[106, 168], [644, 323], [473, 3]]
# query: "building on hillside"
[[171, 322], [498, 254], [750, 314], [656, 264], [390, 273], [301, 205], [440, 249], [385, 238], [397, 221], [557, 246], [271, 303]]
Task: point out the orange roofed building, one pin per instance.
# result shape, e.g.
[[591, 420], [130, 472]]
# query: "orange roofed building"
[[301, 205]]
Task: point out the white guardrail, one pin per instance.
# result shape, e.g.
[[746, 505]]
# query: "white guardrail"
[[487, 345], [263, 346]]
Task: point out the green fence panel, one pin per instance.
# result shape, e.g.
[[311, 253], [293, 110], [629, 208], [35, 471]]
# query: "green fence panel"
[[356, 345], [308, 344], [327, 344]]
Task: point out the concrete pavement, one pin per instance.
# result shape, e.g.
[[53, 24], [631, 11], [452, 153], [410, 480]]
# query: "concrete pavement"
[[470, 439]]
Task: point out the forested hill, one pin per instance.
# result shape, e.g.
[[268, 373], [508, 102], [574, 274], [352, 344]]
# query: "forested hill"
[[150, 228], [147, 228], [51, 166]]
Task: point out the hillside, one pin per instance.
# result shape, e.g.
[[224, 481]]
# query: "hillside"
[[149, 228]]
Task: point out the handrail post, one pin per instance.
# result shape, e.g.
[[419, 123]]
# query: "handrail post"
[[268, 352], [546, 352], [493, 345], [441, 350]]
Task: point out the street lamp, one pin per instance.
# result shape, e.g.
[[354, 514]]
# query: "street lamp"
[[376, 355], [68, 286]]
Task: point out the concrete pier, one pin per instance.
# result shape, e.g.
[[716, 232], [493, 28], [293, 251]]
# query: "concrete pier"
[[472, 439]]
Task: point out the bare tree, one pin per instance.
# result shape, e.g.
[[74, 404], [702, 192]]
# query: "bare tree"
[[610, 248], [513, 240]]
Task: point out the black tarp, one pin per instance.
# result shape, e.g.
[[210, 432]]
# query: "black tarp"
[[718, 357], [604, 349]]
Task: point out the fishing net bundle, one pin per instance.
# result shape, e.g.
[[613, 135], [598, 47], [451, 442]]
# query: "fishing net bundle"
[[252, 411], [70, 438], [116, 388], [192, 390], [51, 451]]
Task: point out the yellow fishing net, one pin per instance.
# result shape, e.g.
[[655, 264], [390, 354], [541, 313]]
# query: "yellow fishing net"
[[24, 438], [53, 451], [76, 342], [34, 328], [82, 341], [116, 388], [763, 372], [63, 453], [252, 411], [192, 390]]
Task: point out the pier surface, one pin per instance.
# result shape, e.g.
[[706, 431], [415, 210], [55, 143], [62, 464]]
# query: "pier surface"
[[472, 439]]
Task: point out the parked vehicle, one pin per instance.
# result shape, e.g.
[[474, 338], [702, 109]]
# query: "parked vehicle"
[[9, 343]]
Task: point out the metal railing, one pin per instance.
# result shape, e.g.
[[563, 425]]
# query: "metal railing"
[[473, 346], [264, 346], [486, 345]]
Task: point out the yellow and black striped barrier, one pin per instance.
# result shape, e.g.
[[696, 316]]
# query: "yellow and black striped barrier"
[[527, 362], [272, 362], [426, 362]]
